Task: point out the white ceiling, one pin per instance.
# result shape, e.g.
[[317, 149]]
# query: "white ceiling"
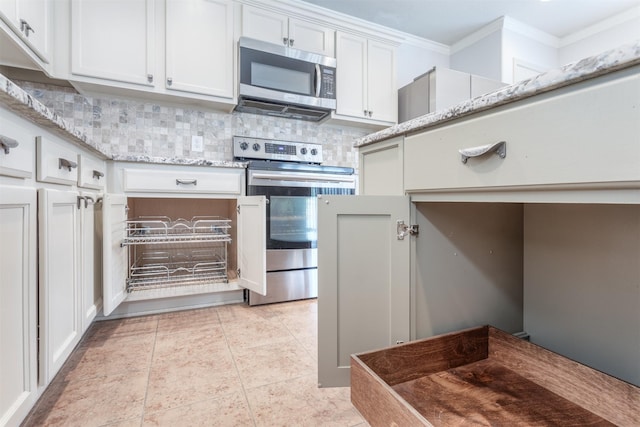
[[448, 21]]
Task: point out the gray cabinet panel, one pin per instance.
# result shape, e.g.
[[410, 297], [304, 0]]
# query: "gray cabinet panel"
[[363, 280]]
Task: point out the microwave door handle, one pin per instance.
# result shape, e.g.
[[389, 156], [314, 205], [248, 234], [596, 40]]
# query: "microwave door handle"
[[318, 81]]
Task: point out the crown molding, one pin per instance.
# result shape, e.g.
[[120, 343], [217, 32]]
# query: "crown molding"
[[436, 47], [476, 36], [530, 32]]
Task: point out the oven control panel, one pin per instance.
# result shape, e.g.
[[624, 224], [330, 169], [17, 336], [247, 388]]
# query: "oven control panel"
[[268, 149]]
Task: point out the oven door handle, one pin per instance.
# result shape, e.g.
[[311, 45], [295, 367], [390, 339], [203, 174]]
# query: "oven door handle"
[[304, 177]]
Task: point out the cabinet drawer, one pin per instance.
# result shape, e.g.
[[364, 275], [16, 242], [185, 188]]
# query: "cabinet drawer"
[[181, 181], [56, 161], [586, 136], [17, 147], [91, 172]]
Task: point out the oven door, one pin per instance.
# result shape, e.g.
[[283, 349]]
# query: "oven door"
[[292, 202]]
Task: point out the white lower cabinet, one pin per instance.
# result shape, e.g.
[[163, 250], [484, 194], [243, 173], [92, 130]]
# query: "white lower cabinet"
[[18, 321], [184, 194], [59, 288]]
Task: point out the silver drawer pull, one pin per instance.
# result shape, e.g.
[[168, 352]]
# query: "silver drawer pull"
[[67, 164], [187, 181], [7, 143], [500, 149], [97, 174]]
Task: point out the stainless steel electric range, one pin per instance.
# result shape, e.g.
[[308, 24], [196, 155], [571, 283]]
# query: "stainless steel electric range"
[[290, 176]]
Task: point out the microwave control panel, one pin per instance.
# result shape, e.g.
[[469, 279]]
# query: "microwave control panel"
[[268, 149]]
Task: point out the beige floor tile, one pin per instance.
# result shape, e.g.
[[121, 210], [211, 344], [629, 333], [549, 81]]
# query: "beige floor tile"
[[94, 402], [300, 324], [190, 345], [299, 402], [105, 357], [188, 377], [310, 343], [192, 320], [241, 335], [122, 328], [270, 363], [234, 313], [230, 410], [195, 368]]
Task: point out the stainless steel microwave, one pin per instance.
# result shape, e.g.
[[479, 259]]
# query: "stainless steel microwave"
[[285, 82]]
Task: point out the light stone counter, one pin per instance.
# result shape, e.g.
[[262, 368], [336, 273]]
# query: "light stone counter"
[[16, 99], [604, 63]]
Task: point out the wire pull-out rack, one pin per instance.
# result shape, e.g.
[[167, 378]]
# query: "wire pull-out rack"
[[169, 253]]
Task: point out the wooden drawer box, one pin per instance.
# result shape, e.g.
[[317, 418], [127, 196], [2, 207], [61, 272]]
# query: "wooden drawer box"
[[483, 376], [587, 137]]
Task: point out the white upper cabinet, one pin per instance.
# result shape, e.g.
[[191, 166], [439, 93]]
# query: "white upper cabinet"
[[366, 79], [30, 21], [205, 27], [113, 39], [279, 29]]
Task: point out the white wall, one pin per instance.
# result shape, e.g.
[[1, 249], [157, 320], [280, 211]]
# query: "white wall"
[[608, 34], [416, 57], [480, 55], [537, 51]]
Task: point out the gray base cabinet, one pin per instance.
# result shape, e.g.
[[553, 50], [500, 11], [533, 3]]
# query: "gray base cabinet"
[[380, 284], [544, 238]]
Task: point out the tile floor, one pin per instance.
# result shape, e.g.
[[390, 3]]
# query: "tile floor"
[[221, 366]]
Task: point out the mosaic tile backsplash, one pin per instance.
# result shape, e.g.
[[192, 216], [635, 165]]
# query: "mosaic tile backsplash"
[[133, 127]]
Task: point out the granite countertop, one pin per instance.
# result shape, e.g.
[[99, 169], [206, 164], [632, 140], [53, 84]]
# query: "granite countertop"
[[604, 63], [21, 102]]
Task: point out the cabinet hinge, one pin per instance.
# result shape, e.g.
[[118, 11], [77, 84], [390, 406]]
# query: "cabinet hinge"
[[403, 229], [238, 208], [238, 271]]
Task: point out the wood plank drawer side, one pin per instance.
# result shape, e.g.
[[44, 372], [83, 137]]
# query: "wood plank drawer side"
[[485, 376], [584, 137], [183, 181]]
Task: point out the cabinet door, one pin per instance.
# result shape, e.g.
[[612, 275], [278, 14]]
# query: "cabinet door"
[[363, 280], [90, 262], [36, 14], [58, 288], [200, 47], [30, 20], [113, 39], [18, 336], [264, 25], [252, 243], [351, 92], [114, 255], [382, 94], [311, 37]]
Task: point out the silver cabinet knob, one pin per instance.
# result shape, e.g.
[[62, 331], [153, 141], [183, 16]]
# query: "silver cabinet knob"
[[285, 41], [169, 81], [150, 78], [370, 113], [290, 42]]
